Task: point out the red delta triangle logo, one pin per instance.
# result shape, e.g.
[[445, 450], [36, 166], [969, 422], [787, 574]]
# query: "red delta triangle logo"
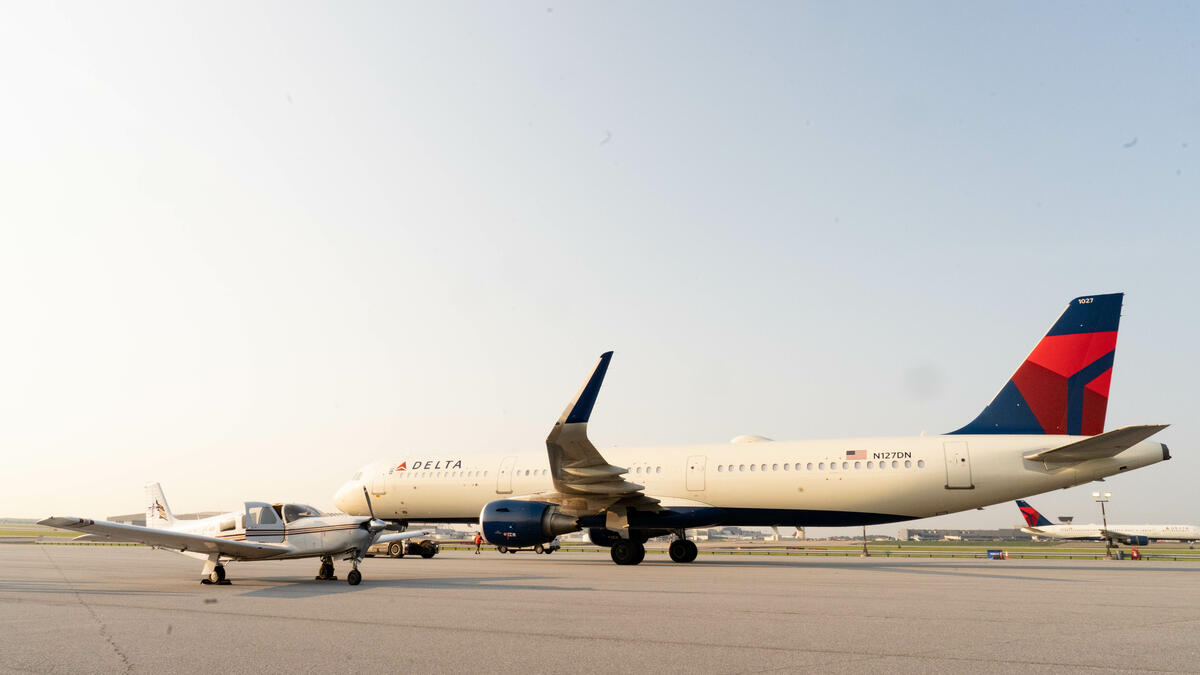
[[403, 466]]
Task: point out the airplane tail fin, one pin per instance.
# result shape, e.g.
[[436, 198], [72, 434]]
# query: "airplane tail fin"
[[1062, 387], [158, 514], [1032, 517]]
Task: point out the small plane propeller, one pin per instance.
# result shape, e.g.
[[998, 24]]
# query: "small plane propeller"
[[374, 525]]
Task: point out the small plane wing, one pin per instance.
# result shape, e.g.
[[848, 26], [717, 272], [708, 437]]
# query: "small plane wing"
[[388, 538], [180, 541], [1103, 445], [584, 482]]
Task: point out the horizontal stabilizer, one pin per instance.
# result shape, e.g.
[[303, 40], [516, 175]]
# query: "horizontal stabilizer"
[[1098, 447]]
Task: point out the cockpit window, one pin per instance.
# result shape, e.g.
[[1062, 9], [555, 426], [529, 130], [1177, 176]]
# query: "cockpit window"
[[294, 511], [357, 476]]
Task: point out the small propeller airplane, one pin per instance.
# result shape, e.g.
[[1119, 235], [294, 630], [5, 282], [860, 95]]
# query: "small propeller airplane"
[[260, 532]]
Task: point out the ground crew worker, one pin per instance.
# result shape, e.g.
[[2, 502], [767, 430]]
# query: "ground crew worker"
[[478, 542]]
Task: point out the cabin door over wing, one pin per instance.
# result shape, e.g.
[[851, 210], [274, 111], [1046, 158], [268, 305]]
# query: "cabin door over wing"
[[263, 523], [504, 476], [958, 466], [695, 473]]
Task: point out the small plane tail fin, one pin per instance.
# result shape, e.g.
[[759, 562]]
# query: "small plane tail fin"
[[158, 513], [1032, 517], [1062, 386]]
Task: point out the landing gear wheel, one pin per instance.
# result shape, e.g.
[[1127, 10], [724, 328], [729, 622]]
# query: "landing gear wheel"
[[539, 549], [217, 575], [396, 549], [427, 551], [502, 550], [692, 551], [325, 573], [626, 552], [512, 551], [678, 550], [354, 577]]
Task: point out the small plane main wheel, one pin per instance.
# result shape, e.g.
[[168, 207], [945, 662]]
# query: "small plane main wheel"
[[396, 550], [354, 577], [427, 551], [502, 550], [692, 551], [217, 575], [627, 552], [539, 549], [678, 551]]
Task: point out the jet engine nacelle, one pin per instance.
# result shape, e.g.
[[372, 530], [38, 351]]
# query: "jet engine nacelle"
[[1137, 541], [514, 523], [602, 537]]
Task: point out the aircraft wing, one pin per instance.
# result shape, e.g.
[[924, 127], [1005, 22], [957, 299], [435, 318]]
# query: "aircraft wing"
[[584, 482], [179, 541], [1103, 445], [388, 538]]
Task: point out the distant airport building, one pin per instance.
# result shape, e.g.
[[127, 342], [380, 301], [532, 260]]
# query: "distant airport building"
[[1011, 534]]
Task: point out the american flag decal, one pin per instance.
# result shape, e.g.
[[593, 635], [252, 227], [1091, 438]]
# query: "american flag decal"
[[856, 454]]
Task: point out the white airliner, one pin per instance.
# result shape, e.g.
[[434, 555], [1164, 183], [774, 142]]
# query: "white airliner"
[[1132, 535], [1043, 431], [260, 532]]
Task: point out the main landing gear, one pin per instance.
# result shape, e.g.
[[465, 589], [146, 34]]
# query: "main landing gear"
[[325, 573], [216, 576], [214, 571], [683, 551], [627, 552]]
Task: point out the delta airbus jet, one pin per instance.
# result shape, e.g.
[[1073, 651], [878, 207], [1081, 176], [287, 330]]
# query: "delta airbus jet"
[[1043, 431], [1132, 535]]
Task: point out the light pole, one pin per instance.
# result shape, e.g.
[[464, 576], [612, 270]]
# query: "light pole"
[[1102, 499], [864, 553]]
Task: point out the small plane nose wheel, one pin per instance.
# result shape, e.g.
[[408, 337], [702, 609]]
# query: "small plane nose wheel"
[[354, 577]]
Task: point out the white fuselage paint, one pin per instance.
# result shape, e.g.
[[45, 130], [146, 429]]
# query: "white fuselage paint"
[[307, 537], [1092, 531], [912, 484]]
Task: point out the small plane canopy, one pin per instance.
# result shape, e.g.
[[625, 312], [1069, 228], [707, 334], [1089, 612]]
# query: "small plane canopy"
[[296, 511]]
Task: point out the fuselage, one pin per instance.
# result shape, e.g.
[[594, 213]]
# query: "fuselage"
[[1094, 531], [838, 482], [304, 530]]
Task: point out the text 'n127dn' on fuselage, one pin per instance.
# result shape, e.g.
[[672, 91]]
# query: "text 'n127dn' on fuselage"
[[1043, 431]]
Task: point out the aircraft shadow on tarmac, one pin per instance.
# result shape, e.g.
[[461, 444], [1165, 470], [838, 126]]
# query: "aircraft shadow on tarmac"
[[309, 588]]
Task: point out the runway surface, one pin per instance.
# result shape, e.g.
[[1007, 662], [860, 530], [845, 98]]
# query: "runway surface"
[[92, 609]]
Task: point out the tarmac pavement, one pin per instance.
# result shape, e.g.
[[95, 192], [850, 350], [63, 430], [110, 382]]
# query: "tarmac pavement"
[[100, 609]]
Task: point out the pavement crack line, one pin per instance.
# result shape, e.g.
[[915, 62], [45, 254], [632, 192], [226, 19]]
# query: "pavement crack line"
[[103, 627]]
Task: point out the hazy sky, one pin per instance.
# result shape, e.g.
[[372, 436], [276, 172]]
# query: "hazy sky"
[[246, 248]]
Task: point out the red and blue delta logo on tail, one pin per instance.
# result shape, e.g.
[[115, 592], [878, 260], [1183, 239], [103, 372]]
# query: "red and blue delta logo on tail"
[[1032, 517], [1062, 387]]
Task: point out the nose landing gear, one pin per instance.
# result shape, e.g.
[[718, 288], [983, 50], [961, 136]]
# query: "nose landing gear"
[[354, 577]]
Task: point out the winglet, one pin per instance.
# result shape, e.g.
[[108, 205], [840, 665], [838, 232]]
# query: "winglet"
[[579, 410]]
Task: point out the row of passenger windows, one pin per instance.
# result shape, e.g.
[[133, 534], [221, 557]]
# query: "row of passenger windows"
[[819, 466], [443, 474], [469, 474]]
